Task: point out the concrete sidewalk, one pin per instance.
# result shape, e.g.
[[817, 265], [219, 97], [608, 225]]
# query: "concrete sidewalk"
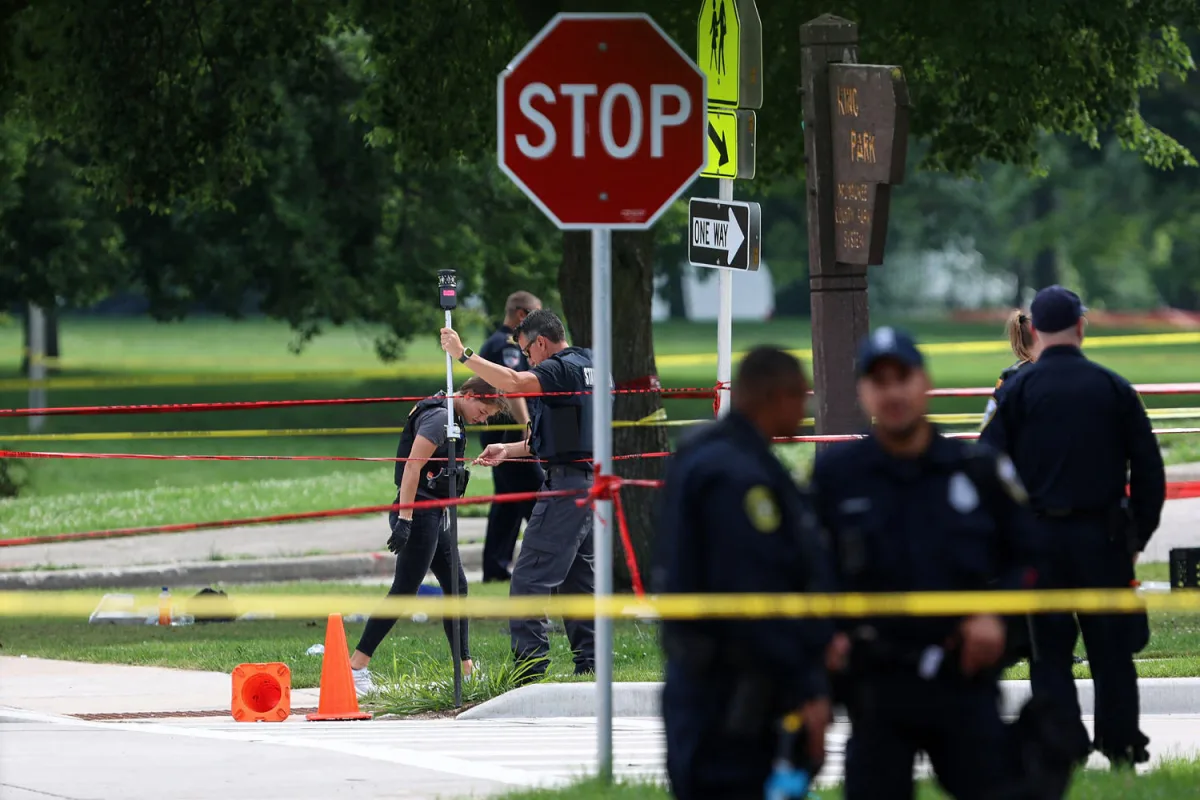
[[342, 550], [362, 535], [77, 688]]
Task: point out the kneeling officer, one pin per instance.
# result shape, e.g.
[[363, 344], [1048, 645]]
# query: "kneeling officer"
[[732, 519]]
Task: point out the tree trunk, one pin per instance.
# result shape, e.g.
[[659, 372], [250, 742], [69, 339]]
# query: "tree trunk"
[[1045, 263], [1017, 267], [52, 351], [676, 296], [633, 367]]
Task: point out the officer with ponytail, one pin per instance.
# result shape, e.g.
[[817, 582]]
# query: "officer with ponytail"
[[421, 537]]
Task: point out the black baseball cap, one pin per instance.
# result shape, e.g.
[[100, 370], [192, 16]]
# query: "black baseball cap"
[[1055, 309], [888, 343]]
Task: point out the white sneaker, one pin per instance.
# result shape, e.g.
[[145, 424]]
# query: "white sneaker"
[[362, 681]]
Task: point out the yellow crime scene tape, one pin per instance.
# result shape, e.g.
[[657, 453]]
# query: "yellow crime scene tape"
[[37, 603], [432, 369], [657, 419], [964, 348]]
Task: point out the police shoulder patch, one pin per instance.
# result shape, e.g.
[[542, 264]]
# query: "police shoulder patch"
[[762, 509], [1006, 471]]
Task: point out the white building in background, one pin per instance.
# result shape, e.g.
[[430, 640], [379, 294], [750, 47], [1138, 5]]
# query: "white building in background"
[[753, 294]]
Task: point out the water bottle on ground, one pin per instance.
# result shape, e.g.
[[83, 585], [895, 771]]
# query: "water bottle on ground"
[[164, 607]]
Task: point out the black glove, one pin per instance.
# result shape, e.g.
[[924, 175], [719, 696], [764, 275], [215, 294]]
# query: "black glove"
[[400, 533]]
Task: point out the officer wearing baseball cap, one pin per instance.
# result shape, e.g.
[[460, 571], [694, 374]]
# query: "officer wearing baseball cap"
[[910, 510], [1073, 429]]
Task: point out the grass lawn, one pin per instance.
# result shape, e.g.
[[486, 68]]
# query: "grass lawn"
[[414, 658], [1171, 780], [250, 360]]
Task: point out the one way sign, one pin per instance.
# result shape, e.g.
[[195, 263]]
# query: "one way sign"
[[724, 234]]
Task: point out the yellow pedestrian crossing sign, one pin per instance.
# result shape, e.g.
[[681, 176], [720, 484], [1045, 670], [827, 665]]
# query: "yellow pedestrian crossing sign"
[[731, 142], [729, 51]]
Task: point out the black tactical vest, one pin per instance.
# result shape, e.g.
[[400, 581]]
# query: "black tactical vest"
[[435, 478], [561, 425]]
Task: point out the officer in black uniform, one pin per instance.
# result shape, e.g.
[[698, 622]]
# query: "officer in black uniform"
[[732, 519], [1075, 430], [556, 553], [1020, 339], [504, 519], [420, 537], [910, 510]]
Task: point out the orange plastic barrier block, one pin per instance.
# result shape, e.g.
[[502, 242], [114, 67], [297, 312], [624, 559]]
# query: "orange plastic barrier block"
[[262, 692]]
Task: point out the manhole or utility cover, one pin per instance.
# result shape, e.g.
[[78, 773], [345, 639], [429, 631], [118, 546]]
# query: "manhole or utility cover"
[[169, 714]]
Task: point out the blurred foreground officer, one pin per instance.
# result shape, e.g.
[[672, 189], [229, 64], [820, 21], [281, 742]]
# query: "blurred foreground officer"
[[1073, 428], [909, 510], [557, 553], [504, 519], [733, 520]]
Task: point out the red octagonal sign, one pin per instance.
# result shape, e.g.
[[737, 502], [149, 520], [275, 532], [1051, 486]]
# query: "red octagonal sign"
[[602, 120]]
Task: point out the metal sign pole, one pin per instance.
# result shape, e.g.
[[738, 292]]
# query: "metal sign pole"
[[724, 318], [448, 298], [601, 532]]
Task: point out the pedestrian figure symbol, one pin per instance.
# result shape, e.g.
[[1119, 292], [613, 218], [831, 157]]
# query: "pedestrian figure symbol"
[[717, 31]]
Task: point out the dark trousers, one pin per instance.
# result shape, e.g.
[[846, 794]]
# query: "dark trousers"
[[504, 519], [429, 548], [705, 760], [1081, 555], [556, 556], [956, 724]]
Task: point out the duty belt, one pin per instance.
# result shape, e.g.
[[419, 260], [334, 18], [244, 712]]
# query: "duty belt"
[[1073, 513], [562, 470]]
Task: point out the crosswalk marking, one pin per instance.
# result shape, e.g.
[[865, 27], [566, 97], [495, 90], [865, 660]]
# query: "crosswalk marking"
[[556, 751]]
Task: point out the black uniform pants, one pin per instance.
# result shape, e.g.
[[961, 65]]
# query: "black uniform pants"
[[556, 556], [896, 716], [504, 519], [429, 548], [705, 760], [1081, 555]]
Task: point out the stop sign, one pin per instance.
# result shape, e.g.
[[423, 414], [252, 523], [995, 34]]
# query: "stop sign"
[[602, 120]]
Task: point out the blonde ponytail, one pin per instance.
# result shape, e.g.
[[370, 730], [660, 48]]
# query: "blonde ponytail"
[[1020, 335]]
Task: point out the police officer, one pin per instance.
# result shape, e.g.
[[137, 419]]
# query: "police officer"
[[1020, 339], [1074, 429], [732, 519], [556, 553], [908, 509], [420, 537], [504, 519]]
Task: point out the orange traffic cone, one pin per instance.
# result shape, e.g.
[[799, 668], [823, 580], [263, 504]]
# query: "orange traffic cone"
[[261, 692], [338, 698]]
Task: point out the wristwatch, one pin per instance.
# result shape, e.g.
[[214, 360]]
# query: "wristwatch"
[[467, 353]]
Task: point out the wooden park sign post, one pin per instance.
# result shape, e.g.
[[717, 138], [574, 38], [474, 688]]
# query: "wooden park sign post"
[[855, 143]]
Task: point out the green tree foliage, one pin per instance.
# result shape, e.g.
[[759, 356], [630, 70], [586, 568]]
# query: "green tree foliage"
[[176, 104]]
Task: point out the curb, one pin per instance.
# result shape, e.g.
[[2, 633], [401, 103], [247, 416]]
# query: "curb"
[[1183, 472], [1157, 696], [203, 573]]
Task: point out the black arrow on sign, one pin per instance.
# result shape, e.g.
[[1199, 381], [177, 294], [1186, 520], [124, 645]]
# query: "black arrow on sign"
[[722, 147]]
